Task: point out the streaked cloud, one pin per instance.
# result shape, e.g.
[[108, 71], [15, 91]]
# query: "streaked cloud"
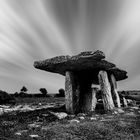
[[40, 29]]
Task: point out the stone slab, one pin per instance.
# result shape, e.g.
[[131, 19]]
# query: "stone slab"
[[85, 61]]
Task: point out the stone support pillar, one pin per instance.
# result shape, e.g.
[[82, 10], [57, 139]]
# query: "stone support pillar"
[[89, 100], [106, 91], [114, 92], [71, 93], [93, 99]]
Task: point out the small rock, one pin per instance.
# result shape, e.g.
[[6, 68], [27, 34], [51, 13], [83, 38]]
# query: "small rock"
[[74, 121], [60, 115], [44, 128], [72, 116], [24, 131], [34, 136], [110, 116], [120, 110], [81, 118], [115, 112], [93, 118], [45, 115], [102, 120], [135, 107], [39, 118], [33, 125], [18, 133], [81, 114]]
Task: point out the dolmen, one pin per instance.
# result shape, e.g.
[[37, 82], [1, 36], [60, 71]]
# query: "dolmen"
[[81, 72]]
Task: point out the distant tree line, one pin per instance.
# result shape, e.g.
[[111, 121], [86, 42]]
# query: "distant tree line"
[[5, 98], [61, 93], [43, 93], [11, 98]]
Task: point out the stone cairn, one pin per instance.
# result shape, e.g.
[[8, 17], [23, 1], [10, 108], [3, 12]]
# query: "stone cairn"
[[81, 71]]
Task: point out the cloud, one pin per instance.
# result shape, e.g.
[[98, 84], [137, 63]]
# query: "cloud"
[[35, 30]]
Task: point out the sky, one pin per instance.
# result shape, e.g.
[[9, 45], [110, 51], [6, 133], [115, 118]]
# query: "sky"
[[33, 30]]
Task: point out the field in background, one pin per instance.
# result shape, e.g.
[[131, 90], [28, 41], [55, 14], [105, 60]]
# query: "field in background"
[[134, 92], [131, 92], [42, 100]]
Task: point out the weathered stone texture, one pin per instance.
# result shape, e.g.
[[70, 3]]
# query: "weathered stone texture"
[[106, 91], [114, 92], [71, 93], [93, 61], [124, 102], [93, 99]]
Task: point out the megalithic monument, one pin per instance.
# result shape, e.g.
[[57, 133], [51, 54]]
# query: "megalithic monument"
[[81, 71]]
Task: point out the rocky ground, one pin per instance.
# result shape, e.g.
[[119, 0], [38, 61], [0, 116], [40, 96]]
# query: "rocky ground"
[[51, 122]]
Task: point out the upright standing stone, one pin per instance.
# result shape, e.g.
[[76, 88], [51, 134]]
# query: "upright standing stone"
[[71, 93], [85, 103], [114, 92], [106, 91], [124, 102], [94, 99], [89, 101]]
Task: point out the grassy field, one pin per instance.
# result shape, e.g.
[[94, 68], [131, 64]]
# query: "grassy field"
[[42, 125], [42, 100]]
